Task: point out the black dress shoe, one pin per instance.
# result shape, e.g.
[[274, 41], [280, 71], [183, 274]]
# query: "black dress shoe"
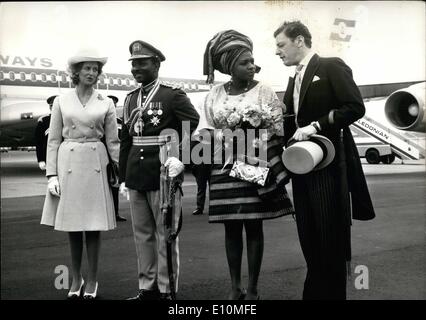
[[120, 218], [197, 212], [146, 295]]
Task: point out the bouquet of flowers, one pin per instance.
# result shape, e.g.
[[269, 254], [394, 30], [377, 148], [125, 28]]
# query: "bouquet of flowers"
[[253, 116]]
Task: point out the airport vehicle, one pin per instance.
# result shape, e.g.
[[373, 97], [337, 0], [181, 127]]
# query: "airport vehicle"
[[378, 143], [376, 152]]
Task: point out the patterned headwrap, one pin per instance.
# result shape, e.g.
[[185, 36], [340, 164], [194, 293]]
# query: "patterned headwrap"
[[223, 50]]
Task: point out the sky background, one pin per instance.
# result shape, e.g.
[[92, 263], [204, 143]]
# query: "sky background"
[[387, 44]]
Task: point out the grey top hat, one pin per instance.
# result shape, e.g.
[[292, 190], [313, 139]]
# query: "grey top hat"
[[301, 157]]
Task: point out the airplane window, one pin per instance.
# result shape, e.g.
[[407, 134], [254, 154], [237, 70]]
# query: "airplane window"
[[1, 75], [102, 80], [128, 82], [111, 81], [63, 78], [196, 86], [43, 77], [33, 76], [11, 76], [53, 77], [119, 82], [22, 76]]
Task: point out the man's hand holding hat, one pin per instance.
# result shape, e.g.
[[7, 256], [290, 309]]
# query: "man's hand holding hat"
[[304, 133]]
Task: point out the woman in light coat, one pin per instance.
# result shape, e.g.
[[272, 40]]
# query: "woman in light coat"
[[79, 198]]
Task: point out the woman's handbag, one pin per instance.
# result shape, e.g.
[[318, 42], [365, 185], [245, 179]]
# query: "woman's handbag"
[[250, 173], [112, 173], [112, 169]]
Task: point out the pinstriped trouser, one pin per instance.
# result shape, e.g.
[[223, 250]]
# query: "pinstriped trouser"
[[148, 233], [322, 233]]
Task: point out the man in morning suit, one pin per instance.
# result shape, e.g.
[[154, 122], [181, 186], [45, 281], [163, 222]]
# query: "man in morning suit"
[[323, 99], [41, 135], [147, 111]]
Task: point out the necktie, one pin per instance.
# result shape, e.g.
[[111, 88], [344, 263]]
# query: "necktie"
[[297, 85], [298, 78]]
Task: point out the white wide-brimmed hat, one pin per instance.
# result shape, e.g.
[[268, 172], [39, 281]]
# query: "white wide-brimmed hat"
[[87, 55], [301, 157]]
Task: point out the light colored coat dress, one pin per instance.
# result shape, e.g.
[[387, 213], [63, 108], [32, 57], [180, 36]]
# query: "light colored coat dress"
[[77, 156]]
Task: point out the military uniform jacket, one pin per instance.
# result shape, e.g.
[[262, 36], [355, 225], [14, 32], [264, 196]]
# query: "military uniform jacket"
[[139, 166], [41, 135]]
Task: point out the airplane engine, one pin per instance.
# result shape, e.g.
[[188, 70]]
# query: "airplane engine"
[[405, 108]]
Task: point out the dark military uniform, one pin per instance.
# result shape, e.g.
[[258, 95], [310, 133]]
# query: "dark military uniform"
[[139, 167], [41, 135]]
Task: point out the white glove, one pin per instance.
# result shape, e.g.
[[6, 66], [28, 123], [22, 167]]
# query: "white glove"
[[218, 135], [175, 166], [42, 165], [124, 191], [53, 186]]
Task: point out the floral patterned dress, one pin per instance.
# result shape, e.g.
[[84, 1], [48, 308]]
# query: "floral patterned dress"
[[232, 198]]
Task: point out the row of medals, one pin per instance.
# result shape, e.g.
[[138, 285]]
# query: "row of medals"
[[154, 111]]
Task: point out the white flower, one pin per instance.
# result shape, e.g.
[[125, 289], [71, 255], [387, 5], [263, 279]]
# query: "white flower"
[[233, 119]]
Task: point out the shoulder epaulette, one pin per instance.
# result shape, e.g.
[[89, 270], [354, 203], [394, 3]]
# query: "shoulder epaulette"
[[172, 85], [134, 90]]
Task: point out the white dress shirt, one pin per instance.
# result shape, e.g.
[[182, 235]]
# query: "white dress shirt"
[[296, 94]]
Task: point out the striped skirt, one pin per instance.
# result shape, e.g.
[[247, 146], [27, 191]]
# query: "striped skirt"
[[234, 199]]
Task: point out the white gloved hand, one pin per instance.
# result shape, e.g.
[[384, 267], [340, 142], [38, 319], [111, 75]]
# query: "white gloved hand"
[[218, 135], [53, 186], [124, 191], [175, 166], [42, 165]]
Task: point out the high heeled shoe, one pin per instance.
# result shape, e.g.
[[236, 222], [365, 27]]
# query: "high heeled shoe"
[[76, 294], [91, 296]]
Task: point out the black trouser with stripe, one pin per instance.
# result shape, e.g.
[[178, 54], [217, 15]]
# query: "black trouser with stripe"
[[115, 199], [201, 173], [323, 232]]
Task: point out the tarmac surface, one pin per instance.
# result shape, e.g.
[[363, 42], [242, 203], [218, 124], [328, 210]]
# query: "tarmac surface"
[[391, 247]]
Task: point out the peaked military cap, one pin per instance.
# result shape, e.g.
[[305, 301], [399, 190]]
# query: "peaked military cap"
[[140, 49], [51, 99]]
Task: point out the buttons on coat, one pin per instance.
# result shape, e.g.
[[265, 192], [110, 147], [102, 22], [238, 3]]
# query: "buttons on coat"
[[93, 148], [69, 170], [141, 158], [73, 126], [92, 126], [141, 150]]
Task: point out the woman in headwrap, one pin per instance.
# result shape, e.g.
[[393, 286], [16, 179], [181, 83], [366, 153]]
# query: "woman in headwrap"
[[235, 202]]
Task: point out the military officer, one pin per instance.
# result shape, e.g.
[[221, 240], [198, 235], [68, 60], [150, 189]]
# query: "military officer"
[[148, 110], [115, 190], [41, 134]]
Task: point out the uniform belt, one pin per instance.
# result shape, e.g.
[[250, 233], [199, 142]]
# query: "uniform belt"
[[153, 140], [82, 140]]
